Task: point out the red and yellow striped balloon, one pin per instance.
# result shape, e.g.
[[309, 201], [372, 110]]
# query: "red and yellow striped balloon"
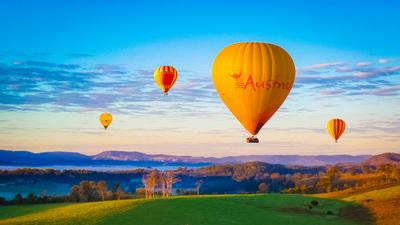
[[336, 128], [165, 77]]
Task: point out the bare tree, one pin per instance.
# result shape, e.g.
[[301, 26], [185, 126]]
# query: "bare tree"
[[163, 184], [119, 193], [150, 182], [198, 186], [171, 179], [146, 186], [101, 188]]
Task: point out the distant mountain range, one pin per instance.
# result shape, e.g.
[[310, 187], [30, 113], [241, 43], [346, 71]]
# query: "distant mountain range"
[[317, 160], [26, 158]]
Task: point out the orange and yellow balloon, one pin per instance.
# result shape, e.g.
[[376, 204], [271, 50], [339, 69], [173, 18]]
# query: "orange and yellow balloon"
[[253, 79], [105, 119], [165, 77], [336, 128]]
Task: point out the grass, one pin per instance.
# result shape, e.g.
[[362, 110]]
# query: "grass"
[[20, 210], [275, 209], [384, 204]]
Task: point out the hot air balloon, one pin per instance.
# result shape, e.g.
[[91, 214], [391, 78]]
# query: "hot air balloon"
[[253, 79], [165, 77], [105, 119], [336, 128]]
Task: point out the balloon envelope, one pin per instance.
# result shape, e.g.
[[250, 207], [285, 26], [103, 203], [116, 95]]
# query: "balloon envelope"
[[253, 79], [336, 128], [105, 119], [165, 77]]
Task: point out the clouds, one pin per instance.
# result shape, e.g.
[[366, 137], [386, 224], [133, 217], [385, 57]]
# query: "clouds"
[[30, 84], [350, 79], [103, 87], [387, 91], [324, 65]]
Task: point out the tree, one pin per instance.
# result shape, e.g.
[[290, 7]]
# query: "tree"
[[163, 184], [120, 194], [333, 175], [171, 179], [262, 188], [117, 191], [140, 193], [386, 171], [2, 201], [93, 196], [275, 176], [84, 191], [366, 169], [198, 186], [18, 199], [31, 198], [101, 188], [74, 195], [146, 186], [323, 185], [152, 182], [297, 177], [396, 174], [352, 171]]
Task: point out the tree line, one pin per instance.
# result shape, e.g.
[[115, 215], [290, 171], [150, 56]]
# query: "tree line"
[[222, 179]]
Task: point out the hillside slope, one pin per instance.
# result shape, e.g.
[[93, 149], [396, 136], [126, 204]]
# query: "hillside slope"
[[384, 203], [386, 158], [274, 209]]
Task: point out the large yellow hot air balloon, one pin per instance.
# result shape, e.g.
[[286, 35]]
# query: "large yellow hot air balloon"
[[336, 128], [253, 79], [105, 119], [165, 77]]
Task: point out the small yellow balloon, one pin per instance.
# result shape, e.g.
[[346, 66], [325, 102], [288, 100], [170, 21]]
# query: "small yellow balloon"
[[105, 119], [253, 79], [336, 128], [165, 77]]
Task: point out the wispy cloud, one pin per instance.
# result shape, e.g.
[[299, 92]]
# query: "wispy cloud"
[[325, 65], [362, 64], [386, 91], [93, 87], [361, 78]]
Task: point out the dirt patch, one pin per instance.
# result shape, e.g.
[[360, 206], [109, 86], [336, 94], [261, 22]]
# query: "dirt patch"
[[357, 213]]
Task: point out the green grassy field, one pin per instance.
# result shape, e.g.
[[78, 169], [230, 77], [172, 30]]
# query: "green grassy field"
[[274, 209]]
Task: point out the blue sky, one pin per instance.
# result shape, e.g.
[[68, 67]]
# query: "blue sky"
[[64, 63]]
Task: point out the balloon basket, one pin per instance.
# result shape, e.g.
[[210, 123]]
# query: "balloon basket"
[[252, 139]]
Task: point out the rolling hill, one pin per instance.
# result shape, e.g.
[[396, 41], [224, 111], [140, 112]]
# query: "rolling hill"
[[382, 203], [274, 209], [386, 158]]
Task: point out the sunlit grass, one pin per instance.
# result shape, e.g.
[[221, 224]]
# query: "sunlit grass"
[[277, 209], [79, 213]]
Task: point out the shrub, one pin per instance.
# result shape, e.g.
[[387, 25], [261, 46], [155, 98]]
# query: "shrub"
[[314, 203]]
